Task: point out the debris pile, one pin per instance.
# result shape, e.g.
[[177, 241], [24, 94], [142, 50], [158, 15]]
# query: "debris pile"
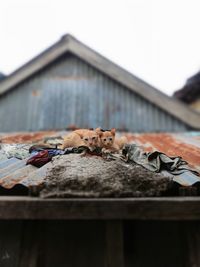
[[93, 176]]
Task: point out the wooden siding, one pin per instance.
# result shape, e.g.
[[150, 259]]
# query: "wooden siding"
[[94, 243]]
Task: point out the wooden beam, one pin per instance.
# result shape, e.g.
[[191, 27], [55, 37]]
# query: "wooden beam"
[[163, 208]]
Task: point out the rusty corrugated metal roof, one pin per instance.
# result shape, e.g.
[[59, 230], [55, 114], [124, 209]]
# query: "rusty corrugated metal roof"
[[185, 145], [15, 172]]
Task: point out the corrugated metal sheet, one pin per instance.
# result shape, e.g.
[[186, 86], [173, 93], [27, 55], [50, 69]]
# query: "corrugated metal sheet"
[[185, 145], [71, 92], [14, 172]]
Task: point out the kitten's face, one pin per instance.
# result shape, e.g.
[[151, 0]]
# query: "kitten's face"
[[90, 138], [107, 138]]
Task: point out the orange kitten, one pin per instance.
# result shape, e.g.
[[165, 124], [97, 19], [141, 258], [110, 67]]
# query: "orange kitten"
[[109, 142], [81, 137], [121, 141]]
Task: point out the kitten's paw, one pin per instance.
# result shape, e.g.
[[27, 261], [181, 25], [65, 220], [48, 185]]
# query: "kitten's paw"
[[83, 154], [106, 151], [61, 147]]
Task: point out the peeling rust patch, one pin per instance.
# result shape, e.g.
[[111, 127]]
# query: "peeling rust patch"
[[35, 93], [25, 137]]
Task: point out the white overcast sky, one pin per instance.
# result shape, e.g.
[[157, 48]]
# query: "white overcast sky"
[[157, 40]]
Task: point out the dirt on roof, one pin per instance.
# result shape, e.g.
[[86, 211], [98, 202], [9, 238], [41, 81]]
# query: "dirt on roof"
[[93, 176]]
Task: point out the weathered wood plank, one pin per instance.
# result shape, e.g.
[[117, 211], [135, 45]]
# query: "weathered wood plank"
[[74, 244], [30, 244], [192, 238], [181, 208], [155, 243], [114, 244], [10, 242]]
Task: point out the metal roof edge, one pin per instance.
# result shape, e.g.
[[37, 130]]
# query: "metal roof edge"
[[34, 65]]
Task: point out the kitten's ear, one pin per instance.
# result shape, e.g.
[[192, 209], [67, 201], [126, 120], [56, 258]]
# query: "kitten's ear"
[[81, 135], [99, 131], [112, 131]]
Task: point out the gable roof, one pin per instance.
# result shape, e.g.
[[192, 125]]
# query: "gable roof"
[[69, 44]]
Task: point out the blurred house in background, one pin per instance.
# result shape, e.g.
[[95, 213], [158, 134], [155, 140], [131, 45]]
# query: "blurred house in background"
[[70, 84], [2, 76], [190, 93]]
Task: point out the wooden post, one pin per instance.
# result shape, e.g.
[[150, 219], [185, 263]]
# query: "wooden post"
[[31, 247], [114, 244], [192, 231]]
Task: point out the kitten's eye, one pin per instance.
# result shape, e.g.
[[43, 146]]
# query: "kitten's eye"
[[86, 139], [110, 138], [104, 139], [93, 138]]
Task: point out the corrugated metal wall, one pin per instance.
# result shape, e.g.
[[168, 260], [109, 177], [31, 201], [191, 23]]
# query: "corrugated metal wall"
[[72, 92]]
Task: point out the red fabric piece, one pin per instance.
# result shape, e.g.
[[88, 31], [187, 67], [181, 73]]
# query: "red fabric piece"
[[40, 159]]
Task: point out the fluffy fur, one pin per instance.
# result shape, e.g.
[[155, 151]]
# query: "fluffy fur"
[[81, 137], [109, 142]]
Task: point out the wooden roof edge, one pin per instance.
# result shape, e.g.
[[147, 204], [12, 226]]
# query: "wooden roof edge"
[[155, 208]]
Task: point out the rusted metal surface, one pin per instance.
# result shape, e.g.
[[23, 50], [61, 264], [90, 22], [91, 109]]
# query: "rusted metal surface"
[[185, 146], [14, 172], [24, 138]]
